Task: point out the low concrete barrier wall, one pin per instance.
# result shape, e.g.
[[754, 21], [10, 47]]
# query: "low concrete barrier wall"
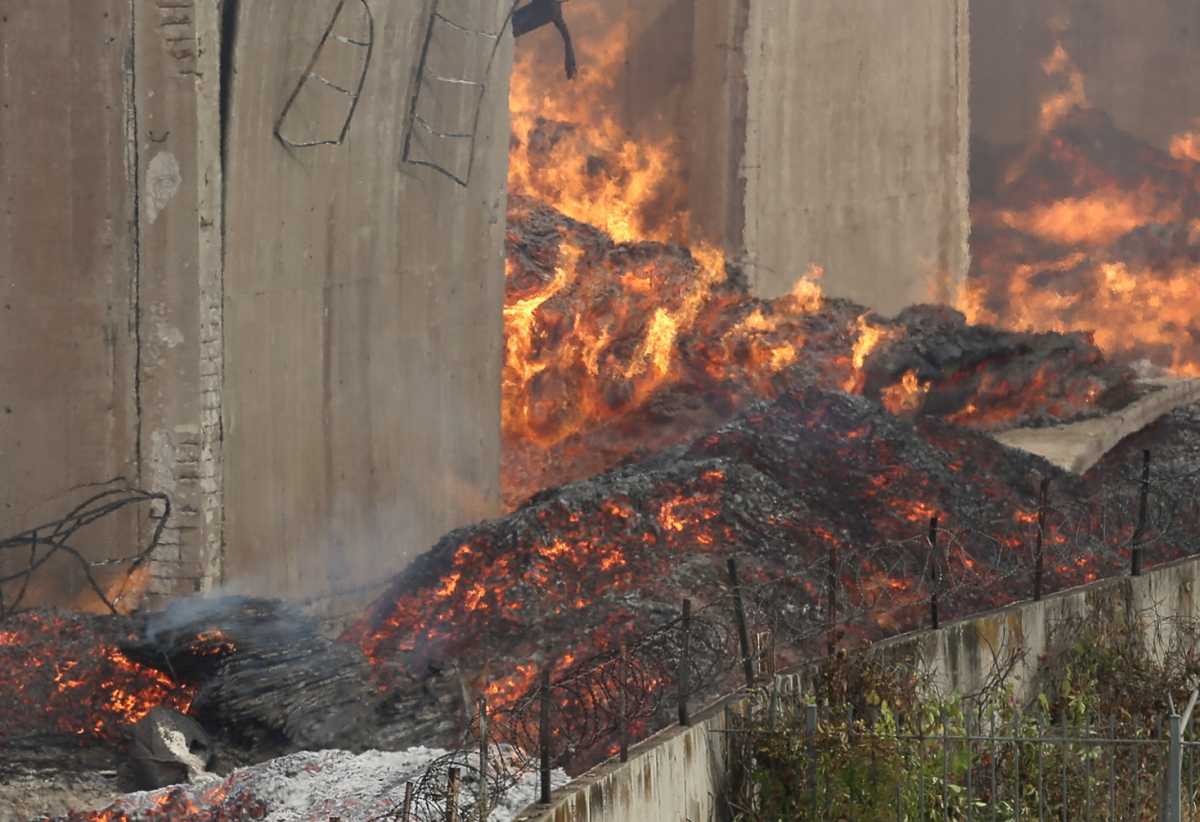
[[677, 774], [681, 774]]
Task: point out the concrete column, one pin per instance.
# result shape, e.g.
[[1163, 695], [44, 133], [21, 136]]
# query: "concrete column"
[[856, 147], [717, 126], [847, 122], [177, 297], [363, 287]]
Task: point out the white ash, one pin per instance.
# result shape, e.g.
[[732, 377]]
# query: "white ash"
[[177, 744], [317, 785]]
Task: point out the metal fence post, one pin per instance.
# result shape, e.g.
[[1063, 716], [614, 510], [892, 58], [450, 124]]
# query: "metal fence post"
[[452, 783], [483, 760], [831, 584], [622, 706], [544, 735], [1173, 788], [810, 727], [739, 611], [935, 573], [1172, 810], [407, 807], [685, 664], [1135, 568], [1038, 555]]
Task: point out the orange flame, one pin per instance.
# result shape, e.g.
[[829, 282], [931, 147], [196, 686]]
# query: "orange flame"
[[905, 396], [1061, 261]]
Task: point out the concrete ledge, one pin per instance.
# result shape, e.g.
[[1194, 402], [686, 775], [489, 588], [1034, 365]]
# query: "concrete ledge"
[[1080, 446]]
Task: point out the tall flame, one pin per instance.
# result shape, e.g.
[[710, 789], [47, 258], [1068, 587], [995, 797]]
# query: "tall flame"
[[571, 150]]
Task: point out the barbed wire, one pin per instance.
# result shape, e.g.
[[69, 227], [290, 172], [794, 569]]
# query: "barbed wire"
[[49, 540]]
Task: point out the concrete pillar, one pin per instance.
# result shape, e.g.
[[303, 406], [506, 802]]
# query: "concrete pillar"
[[847, 125], [176, 140], [717, 128], [110, 267], [363, 286], [856, 147]]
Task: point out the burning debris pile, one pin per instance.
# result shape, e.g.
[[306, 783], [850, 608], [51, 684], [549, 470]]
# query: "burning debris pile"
[[264, 679], [811, 485], [814, 492], [619, 349], [64, 675], [658, 422], [254, 672], [1088, 228]]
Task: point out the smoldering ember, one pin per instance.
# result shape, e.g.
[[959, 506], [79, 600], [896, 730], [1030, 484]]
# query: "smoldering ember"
[[434, 550]]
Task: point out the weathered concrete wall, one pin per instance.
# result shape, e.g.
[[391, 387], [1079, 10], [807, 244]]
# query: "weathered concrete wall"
[[67, 321], [680, 773], [856, 147], [965, 654], [363, 293], [364, 300], [716, 132], [1140, 61], [654, 87], [108, 247], [831, 133], [675, 776]]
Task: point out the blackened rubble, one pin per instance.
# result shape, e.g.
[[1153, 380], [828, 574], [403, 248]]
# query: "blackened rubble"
[[265, 678], [987, 379]]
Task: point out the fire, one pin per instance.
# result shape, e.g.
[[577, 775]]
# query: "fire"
[[914, 511], [186, 803], [1093, 219], [55, 669], [1072, 95], [1186, 146], [571, 150], [905, 397], [213, 642], [870, 337], [597, 330], [594, 555], [1091, 231]]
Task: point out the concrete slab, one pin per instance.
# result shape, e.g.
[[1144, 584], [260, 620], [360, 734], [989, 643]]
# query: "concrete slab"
[[1079, 446]]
